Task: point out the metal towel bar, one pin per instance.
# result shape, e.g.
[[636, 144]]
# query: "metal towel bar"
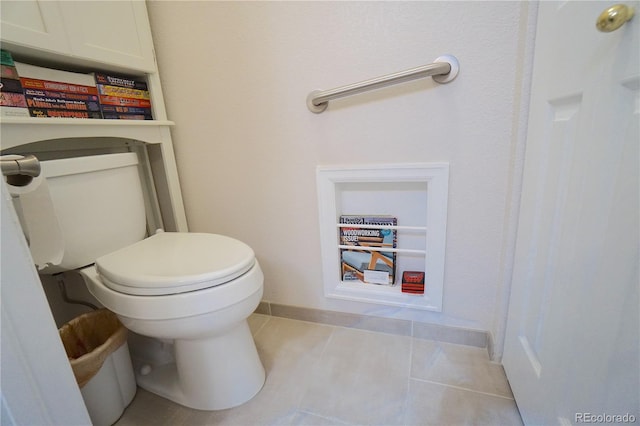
[[444, 69]]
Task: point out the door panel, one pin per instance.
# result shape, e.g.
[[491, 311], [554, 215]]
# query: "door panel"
[[572, 343]]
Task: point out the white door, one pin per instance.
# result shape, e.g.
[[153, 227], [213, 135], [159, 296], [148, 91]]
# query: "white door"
[[572, 344]]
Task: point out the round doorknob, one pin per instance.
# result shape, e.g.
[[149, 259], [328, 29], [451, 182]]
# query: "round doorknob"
[[614, 17]]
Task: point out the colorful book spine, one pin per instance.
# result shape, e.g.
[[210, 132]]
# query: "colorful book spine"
[[62, 113], [57, 103], [12, 100], [9, 71], [368, 266], [62, 95], [6, 58], [112, 116], [10, 85], [114, 100], [55, 86], [125, 110], [123, 92], [120, 81]]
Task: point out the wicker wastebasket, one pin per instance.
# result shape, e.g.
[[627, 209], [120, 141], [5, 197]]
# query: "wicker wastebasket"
[[96, 345]]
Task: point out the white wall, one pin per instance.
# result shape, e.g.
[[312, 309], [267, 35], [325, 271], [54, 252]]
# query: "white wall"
[[236, 75]]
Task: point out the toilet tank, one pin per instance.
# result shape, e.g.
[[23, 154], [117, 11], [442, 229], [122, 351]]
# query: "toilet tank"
[[99, 204]]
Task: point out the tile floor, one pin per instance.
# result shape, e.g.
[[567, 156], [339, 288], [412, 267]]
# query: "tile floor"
[[325, 375]]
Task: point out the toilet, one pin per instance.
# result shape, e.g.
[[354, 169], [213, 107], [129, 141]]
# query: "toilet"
[[187, 295]]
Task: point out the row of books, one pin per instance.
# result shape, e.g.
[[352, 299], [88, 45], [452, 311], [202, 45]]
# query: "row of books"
[[33, 91], [373, 266]]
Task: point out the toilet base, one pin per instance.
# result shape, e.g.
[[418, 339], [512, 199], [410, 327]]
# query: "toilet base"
[[213, 373]]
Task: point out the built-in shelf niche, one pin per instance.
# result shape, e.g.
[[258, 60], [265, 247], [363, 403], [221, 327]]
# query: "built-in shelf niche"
[[417, 195]]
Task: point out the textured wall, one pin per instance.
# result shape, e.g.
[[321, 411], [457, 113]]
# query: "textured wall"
[[235, 77]]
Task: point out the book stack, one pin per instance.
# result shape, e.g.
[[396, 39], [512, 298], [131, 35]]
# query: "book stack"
[[55, 93], [413, 282], [368, 266], [123, 98], [12, 100]]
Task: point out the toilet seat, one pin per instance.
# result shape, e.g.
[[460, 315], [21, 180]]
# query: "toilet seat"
[[175, 262]]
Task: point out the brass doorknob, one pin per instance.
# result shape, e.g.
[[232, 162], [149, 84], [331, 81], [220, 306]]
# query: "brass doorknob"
[[614, 17]]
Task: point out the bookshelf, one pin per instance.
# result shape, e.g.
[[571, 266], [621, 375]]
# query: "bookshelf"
[[80, 37], [415, 193]]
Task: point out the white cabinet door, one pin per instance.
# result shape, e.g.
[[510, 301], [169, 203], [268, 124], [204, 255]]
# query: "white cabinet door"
[[113, 32], [34, 24], [116, 33]]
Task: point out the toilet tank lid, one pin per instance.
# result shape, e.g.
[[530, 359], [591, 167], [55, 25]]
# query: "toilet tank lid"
[[175, 262], [92, 163]]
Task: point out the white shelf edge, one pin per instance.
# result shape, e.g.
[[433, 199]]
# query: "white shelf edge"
[[381, 249], [18, 131], [381, 295], [82, 121], [400, 228]]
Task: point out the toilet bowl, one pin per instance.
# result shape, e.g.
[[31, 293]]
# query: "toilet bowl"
[[195, 290], [192, 291]]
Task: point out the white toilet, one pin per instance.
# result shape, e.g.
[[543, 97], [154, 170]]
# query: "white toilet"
[[191, 291]]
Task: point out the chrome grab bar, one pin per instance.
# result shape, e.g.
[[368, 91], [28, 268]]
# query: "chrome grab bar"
[[444, 69]]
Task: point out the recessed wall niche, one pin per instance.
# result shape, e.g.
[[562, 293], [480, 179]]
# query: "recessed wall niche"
[[416, 194]]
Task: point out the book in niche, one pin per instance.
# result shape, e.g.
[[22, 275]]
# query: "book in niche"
[[368, 266]]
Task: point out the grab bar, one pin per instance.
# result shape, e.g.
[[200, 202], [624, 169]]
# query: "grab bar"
[[444, 69]]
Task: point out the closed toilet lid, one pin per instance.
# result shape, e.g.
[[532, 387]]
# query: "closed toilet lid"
[[175, 262]]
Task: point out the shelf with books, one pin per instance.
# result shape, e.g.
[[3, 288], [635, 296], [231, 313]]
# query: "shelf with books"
[[415, 194]]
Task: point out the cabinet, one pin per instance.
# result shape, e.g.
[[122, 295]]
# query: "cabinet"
[[115, 34], [415, 193]]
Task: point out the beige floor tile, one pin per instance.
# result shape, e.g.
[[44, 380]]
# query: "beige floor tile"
[[361, 378], [256, 322], [148, 409], [434, 404], [325, 375], [463, 366], [301, 418], [288, 350]]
